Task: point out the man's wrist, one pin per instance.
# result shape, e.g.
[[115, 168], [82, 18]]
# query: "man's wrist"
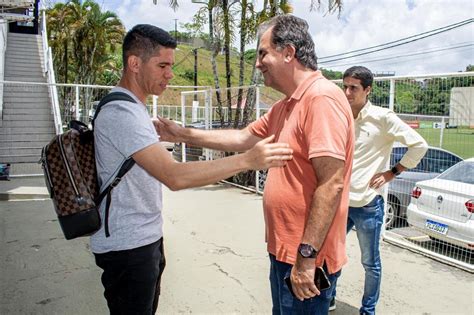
[[395, 171], [307, 251]]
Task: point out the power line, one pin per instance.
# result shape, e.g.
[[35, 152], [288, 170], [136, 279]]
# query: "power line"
[[448, 50], [400, 42], [457, 46], [392, 42]]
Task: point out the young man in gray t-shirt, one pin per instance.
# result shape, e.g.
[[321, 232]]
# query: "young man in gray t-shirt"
[[132, 256]]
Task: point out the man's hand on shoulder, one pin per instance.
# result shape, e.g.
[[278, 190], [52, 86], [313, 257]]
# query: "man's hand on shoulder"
[[168, 130]]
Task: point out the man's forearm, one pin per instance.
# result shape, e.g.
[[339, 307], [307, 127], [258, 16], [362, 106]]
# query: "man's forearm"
[[325, 202], [224, 140], [326, 199]]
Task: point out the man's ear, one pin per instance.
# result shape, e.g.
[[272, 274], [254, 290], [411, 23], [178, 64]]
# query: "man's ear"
[[368, 90], [289, 52], [134, 63]]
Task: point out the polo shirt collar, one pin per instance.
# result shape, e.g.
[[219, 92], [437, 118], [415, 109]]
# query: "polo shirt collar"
[[301, 89], [365, 110]]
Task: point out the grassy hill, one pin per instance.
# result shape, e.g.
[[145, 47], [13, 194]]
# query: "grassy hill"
[[184, 68]]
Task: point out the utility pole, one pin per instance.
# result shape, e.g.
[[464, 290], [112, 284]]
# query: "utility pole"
[[176, 29], [195, 51]]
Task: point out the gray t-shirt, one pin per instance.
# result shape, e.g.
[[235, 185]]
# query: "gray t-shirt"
[[121, 129]]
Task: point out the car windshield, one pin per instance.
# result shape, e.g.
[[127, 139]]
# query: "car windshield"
[[434, 161], [461, 172]]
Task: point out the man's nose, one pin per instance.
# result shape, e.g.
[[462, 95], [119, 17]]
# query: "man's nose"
[[258, 64]]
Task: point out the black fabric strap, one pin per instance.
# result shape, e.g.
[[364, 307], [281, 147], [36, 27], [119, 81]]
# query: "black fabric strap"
[[114, 96], [126, 166]]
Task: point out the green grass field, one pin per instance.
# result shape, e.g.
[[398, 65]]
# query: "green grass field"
[[459, 141]]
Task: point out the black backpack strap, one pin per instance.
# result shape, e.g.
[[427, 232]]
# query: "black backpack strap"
[[126, 166], [114, 96]]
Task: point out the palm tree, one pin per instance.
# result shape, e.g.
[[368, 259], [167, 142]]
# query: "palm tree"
[[95, 34], [82, 31], [270, 9], [249, 19], [83, 40], [58, 21], [332, 5]]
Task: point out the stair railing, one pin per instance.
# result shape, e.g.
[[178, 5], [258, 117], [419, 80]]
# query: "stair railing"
[[49, 71], [3, 49]]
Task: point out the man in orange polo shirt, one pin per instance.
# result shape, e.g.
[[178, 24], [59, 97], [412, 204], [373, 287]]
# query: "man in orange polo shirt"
[[305, 203]]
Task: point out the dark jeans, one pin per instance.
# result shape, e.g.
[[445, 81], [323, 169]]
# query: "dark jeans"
[[285, 304], [131, 278], [368, 221]]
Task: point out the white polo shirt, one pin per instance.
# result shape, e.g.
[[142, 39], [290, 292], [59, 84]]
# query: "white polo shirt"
[[376, 130]]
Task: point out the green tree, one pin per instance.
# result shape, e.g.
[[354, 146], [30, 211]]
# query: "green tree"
[[249, 19], [84, 40], [95, 35]]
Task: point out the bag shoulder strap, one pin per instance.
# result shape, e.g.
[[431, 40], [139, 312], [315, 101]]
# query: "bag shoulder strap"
[[114, 96], [126, 165]]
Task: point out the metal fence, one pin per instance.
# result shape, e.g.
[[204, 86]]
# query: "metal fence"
[[440, 107]]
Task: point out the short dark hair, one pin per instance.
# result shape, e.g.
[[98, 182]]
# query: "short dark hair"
[[287, 30], [360, 73], [143, 40]]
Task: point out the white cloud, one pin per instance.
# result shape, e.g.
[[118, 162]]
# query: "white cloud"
[[362, 23], [373, 22], [145, 12]]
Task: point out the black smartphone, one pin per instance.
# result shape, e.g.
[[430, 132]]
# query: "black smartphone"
[[320, 280]]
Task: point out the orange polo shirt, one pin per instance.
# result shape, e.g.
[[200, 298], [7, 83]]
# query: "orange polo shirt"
[[315, 121]]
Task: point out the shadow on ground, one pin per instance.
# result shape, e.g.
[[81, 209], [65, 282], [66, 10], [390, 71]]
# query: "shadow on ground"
[[344, 309]]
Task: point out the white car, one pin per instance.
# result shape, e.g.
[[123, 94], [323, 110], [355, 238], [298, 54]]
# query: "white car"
[[443, 207]]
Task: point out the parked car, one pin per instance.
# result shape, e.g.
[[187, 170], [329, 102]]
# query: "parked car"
[[434, 162], [443, 207]]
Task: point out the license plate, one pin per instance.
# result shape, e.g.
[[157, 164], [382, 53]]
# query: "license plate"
[[436, 227]]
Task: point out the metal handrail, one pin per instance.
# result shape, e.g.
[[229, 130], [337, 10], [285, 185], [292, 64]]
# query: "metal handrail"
[[49, 70]]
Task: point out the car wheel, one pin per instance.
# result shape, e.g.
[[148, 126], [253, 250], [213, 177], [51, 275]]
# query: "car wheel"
[[262, 179], [392, 213]]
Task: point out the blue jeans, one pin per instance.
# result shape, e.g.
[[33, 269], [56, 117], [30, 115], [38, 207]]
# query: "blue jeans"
[[284, 303], [368, 222]]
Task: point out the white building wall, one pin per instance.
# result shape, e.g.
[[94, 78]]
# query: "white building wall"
[[461, 107]]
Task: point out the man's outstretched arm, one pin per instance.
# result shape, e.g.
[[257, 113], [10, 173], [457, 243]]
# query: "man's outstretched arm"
[[159, 163], [217, 139]]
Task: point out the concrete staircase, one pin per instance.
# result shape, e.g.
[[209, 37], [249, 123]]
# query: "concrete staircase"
[[27, 123]]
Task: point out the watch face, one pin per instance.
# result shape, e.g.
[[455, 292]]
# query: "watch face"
[[307, 251]]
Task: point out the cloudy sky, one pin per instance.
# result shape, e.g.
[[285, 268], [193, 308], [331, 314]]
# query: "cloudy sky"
[[362, 24]]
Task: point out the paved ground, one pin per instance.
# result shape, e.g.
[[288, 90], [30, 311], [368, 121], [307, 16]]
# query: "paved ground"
[[214, 240]]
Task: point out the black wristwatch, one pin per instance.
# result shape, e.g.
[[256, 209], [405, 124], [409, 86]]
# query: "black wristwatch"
[[395, 170], [307, 251]]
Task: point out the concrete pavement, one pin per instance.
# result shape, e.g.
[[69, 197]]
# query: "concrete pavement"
[[217, 262]]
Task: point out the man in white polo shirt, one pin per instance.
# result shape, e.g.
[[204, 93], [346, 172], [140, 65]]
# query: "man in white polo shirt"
[[376, 130]]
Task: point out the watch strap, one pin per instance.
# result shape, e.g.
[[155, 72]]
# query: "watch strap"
[[395, 170]]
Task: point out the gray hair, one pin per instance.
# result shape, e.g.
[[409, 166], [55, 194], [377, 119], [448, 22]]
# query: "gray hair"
[[287, 30]]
